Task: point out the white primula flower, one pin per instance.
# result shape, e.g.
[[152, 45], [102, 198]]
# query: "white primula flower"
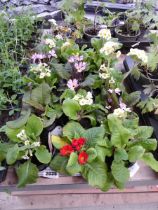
[[109, 47], [36, 144], [50, 42], [66, 44], [112, 81], [84, 100], [22, 135], [140, 54], [25, 157], [105, 33], [27, 142], [104, 75], [120, 113]]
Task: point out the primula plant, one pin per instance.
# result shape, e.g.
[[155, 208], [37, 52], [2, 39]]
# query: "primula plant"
[[103, 154], [24, 146]]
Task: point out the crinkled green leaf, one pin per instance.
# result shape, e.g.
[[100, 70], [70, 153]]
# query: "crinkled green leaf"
[[135, 153], [149, 160], [120, 154], [120, 172], [21, 121], [43, 155], [27, 173], [12, 154], [73, 130], [34, 125], [92, 154], [93, 135], [71, 108], [73, 166], [59, 164]]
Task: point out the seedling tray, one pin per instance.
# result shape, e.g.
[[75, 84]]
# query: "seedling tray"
[[117, 7], [133, 85]]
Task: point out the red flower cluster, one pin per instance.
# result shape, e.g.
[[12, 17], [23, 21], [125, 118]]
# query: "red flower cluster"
[[82, 158], [66, 150], [76, 145]]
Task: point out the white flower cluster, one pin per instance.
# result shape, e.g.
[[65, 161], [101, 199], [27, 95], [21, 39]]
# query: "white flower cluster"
[[140, 54], [109, 47], [50, 42], [120, 113], [105, 73], [22, 136], [42, 69], [66, 44], [105, 34], [84, 100]]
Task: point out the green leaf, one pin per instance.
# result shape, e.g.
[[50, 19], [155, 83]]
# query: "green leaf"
[[73, 166], [59, 164], [60, 70], [58, 142], [119, 134], [97, 174], [149, 160], [12, 154], [27, 174], [120, 154], [92, 154], [43, 155], [34, 125], [41, 94], [71, 108], [133, 98], [103, 152], [12, 134], [120, 172], [135, 153], [73, 130], [120, 137], [21, 121], [89, 81], [147, 144], [93, 135], [144, 132]]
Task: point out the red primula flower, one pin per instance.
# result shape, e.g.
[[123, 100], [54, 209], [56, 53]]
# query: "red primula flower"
[[82, 158], [66, 150], [78, 143]]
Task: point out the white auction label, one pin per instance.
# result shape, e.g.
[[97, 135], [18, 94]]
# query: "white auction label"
[[49, 173], [133, 169]]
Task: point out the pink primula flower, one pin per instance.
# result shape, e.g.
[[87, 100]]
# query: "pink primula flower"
[[38, 56], [52, 53], [81, 66], [72, 84]]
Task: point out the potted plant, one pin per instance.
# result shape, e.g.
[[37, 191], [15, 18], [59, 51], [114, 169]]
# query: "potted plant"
[[24, 150], [88, 151]]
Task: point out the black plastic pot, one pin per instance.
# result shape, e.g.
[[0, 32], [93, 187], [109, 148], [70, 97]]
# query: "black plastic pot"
[[149, 119], [3, 173], [126, 38], [90, 33]]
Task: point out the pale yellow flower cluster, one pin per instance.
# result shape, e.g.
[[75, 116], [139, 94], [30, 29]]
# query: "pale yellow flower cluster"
[[42, 69], [109, 48], [105, 34], [140, 54], [84, 100]]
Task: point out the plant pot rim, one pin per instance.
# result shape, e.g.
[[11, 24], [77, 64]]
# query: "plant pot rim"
[[126, 36], [90, 35]]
